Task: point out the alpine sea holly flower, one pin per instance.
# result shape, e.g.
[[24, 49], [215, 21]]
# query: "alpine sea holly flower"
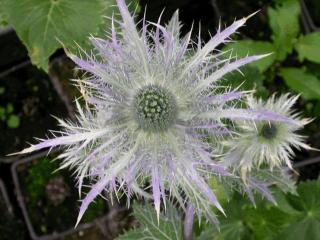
[[152, 98], [263, 142]]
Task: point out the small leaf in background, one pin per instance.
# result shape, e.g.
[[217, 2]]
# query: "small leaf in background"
[[251, 78], [169, 226], [10, 108], [308, 47], [302, 82], [243, 48], [2, 90], [284, 23], [13, 121], [39, 23]]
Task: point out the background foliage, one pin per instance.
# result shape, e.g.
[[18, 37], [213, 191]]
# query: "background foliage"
[[297, 216], [45, 25]]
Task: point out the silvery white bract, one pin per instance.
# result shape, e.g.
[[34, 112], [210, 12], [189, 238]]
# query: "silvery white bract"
[[152, 101], [265, 142]]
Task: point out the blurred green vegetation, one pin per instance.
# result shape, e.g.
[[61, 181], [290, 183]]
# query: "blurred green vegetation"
[[295, 217], [294, 65], [52, 24], [7, 113], [292, 54], [38, 177]]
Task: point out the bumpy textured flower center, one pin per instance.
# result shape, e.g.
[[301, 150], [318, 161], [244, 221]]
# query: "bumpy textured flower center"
[[155, 108], [269, 131]]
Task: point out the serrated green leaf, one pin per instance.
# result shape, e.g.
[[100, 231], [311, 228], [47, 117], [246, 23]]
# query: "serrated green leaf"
[[233, 226], [300, 81], [233, 229], [169, 226], [250, 47], [39, 23], [294, 217], [284, 23], [308, 47], [266, 221], [307, 220], [282, 202], [308, 199]]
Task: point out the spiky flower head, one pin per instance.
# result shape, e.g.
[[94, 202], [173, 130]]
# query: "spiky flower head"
[[152, 99], [267, 143]]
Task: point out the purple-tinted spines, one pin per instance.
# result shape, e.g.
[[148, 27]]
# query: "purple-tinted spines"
[[188, 222], [227, 68], [221, 99], [95, 190], [85, 137], [174, 159], [204, 188], [219, 38], [156, 189], [261, 187], [255, 115]]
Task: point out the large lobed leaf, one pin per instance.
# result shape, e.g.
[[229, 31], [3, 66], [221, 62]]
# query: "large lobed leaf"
[[41, 24], [297, 216], [306, 223]]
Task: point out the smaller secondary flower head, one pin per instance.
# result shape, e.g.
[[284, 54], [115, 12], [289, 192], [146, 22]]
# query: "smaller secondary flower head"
[[153, 98], [267, 143]]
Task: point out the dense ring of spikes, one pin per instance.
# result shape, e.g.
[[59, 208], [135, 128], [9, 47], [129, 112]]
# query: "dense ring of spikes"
[[110, 145], [269, 131], [155, 108], [266, 143]]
